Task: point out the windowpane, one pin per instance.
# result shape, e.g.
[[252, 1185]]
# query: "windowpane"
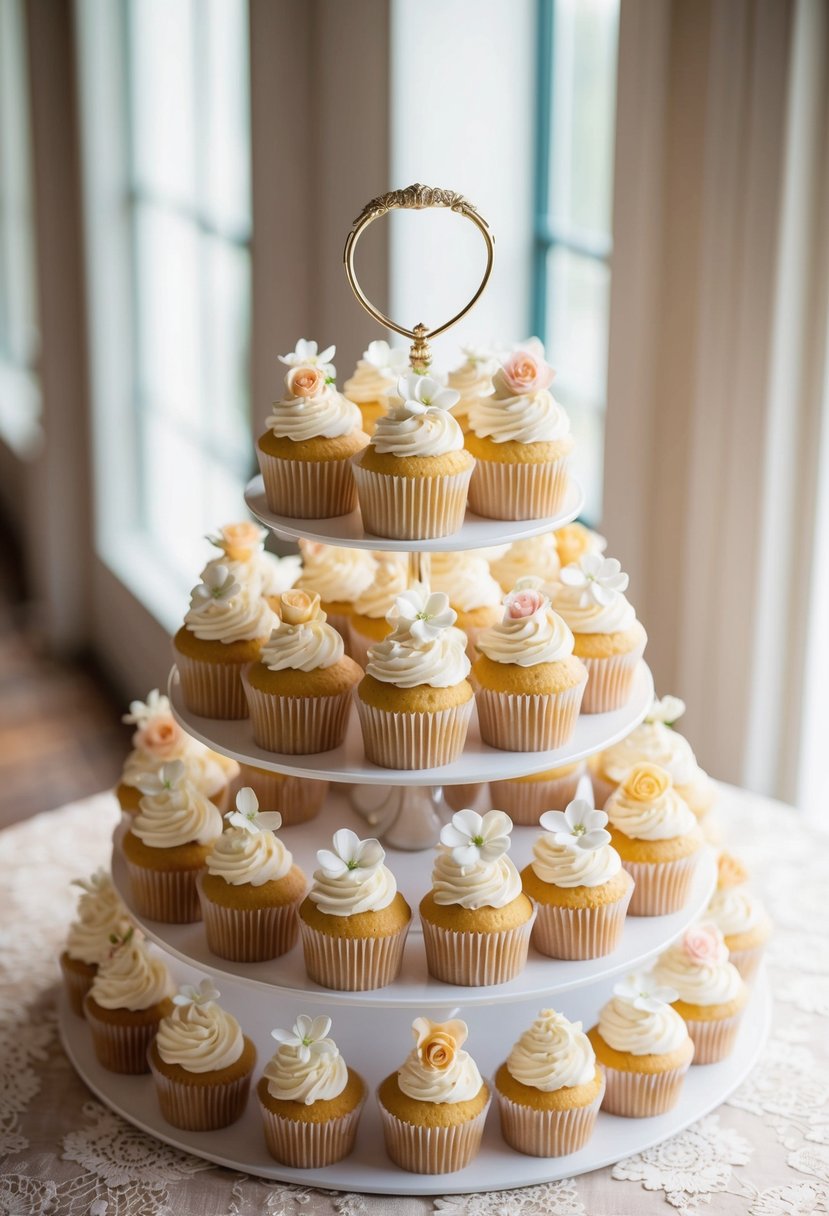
[[587, 460], [173, 496], [578, 291], [224, 96], [226, 301]]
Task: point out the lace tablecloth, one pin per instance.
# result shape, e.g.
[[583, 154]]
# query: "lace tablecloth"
[[764, 1153]]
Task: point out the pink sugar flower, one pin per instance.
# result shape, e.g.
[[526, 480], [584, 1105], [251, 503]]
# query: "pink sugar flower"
[[704, 943], [524, 372]]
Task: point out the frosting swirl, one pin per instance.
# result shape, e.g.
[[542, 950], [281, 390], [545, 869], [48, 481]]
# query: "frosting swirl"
[[200, 1037], [355, 891], [334, 574], [207, 771], [460, 1082], [466, 579], [656, 743], [553, 1054], [714, 981], [292, 1077], [240, 857], [647, 807], [506, 416], [327, 415], [591, 617], [642, 1032], [308, 646], [239, 618], [540, 637], [406, 662], [736, 910], [537, 555], [432, 433], [176, 816], [568, 867], [379, 596], [368, 384], [473, 379], [485, 884], [130, 977], [100, 914]]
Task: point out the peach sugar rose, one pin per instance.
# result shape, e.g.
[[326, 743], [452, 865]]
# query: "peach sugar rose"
[[523, 372], [521, 604], [704, 943], [241, 540], [438, 1042], [305, 381], [161, 736], [298, 607], [646, 783]]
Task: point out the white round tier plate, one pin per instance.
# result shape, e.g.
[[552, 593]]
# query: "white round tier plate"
[[478, 763], [476, 533], [497, 1167]]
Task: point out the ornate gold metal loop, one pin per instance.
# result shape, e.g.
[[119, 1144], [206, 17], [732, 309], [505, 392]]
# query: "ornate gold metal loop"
[[416, 198]]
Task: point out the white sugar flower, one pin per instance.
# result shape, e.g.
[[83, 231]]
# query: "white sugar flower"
[[666, 709], [141, 711], [351, 855], [473, 837], [249, 818], [644, 993], [422, 393], [422, 614], [203, 995], [600, 578], [306, 353], [97, 883], [483, 355], [169, 777], [218, 586], [390, 359], [581, 826], [308, 1035]]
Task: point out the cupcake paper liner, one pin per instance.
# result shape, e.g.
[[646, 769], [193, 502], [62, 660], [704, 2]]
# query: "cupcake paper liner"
[[518, 722], [432, 1150], [200, 1108], [121, 1048], [461, 797], [547, 1133], [609, 681], [414, 740], [411, 508], [352, 964], [713, 1040], [526, 801], [660, 887], [249, 935], [212, 690], [306, 1146], [517, 491], [580, 933], [308, 489], [76, 986], [747, 961], [298, 725], [476, 960], [169, 896], [297, 799], [638, 1095]]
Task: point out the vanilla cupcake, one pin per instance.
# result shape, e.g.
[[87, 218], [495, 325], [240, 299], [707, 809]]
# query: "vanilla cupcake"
[[534, 557], [369, 623], [574, 540], [434, 1108], [520, 438], [550, 1088], [740, 916], [473, 593], [472, 380], [300, 692], [224, 629], [201, 1062], [243, 554], [157, 740], [643, 1046], [578, 885], [129, 996], [657, 838], [415, 701], [297, 799], [528, 683], [338, 576], [476, 920], [251, 889], [711, 993], [609, 639], [100, 917], [354, 920], [167, 845], [413, 477], [310, 437], [374, 379]]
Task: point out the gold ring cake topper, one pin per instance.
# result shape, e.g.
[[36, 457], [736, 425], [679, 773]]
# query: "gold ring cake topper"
[[416, 198]]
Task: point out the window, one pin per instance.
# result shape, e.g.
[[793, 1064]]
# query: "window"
[[574, 195]]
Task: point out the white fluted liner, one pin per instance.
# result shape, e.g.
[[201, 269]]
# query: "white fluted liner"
[[411, 508], [517, 491], [121, 1048], [200, 1108], [526, 801], [170, 896], [308, 489], [249, 935], [520, 722], [713, 1040], [352, 964], [212, 690], [476, 959], [580, 933], [432, 1150], [298, 726], [747, 961], [610, 681], [306, 1146], [547, 1133], [414, 740], [660, 887], [297, 799], [638, 1095]]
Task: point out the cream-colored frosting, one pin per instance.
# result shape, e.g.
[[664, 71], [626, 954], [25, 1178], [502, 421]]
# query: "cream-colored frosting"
[[401, 433], [486, 884], [278, 574], [200, 1037], [334, 574], [542, 637], [668, 816], [657, 743], [323, 1075], [713, 982], [466, 579], [378, 598], [359, 890], [536, 556], [574, 540], [473, 379], [131, 978], [460, 1082], [369, 384], [239, 619], [591, 617], [328, 415], [553, 1054], [207, 771], [562, 866], [307, 647], [736, 910], [241, 857], [407, 663], [642, 1032], [524, 418], [100, 914], [176, 816]]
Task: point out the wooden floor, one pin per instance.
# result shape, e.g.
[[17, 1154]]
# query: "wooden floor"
[[60, 731]]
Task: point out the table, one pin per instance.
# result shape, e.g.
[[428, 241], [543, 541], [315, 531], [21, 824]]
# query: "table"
[[765, 1152]]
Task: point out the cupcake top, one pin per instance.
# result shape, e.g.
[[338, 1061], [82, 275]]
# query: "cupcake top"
[[472, 378], [521, 408], [553, 1054], [697, 967], [307, 1066], [311, 408], [100, 916], [574, 540], [575, 850], [242, 546], [529, 633], [466, 580], [199, 1035], [437, 1069], [389, 581], [730, 871], [158, 738], [334, 574], [418, 422], [536, 556], [654, 740], [248, 851], [376, 373], [352, 877], [647, 807], [302, 641], [471, 868], [423, 647], [589, 595], [222, 610], [173, 812], [736, 909], [130, 977], [639, 1019]]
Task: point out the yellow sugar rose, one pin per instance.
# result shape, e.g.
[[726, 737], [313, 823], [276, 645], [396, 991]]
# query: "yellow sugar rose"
[[646, 783], [298, 607], [241, 540]]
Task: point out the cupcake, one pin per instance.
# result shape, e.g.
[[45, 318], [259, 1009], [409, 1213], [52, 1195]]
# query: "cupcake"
[[460, 797], [374, 379], [310, 437], [299, 692], [656, 741], [574, 540], [520, 438], [473, 593], [369, 622], [413, 477], [609, 639], [550, 1088], [158, 739], [711, 993], [297, 799], [740, 917], [243, 554], [535, 557], [251, 889], [643, 1047], [656, 837], [476, 919], [100, 917], [354, 920], [167, 846], [525, 799], [310, 1100], [578, 885], [130, 994], [434, 1108], [415, 701], [225, 629], [528, 683], [472, 380], [338, 576]]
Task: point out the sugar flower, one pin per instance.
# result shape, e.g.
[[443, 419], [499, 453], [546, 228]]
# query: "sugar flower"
[[473, 837], [389, 359], [249, 818], [351, 855], [299, 607], [600, 578], [218, 586], [421, 614], [524, 601], [643, 992], [142, 711], [422, 393], [305, 381], [580, 826], [96, 884], [240, 539], [704, 943], [160, 736], [203, 995], [308, 1035], [665, 709], [437, 1043], [524, 372], [170, 776], [307, 353]]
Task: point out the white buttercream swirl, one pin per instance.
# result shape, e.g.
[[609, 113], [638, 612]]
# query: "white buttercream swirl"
[[699, 983], [241, 857], [369, 384], [201, 1038], [207, 771], [440, 663], [536, 556], [553, 1054], [319, 1078], [460, 1082], [642, 1032], [379, 596], [663, 819], [486, 884], [656, 743], [736, 910], [328, 415], [240, 619], [334, 574], [466, 579], [355, 891], [176, 816], [542, 637], [100, 914], [591, 617], [562, 866], [527, 418], [433, 433], [306, 647], [473, 379], [131, 978]]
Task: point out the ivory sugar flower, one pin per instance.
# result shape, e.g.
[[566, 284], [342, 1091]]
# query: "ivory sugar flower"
[[438, 1042], [239, 541], [298, 607], [646, 782], [305, 381]]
